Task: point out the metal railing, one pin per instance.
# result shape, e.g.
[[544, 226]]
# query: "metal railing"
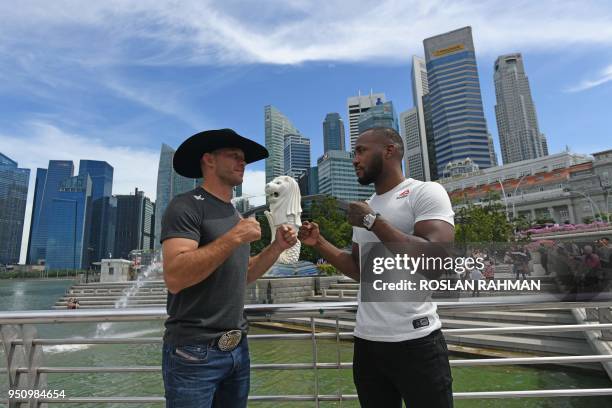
[[25, 369]]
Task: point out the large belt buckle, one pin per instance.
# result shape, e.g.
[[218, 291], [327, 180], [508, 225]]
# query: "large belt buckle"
[[229, 340]]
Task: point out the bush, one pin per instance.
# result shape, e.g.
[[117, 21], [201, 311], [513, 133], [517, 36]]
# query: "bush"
[[328, 270]]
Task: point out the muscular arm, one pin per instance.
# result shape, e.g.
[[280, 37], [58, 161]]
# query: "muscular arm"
[[186, 265], [285, 238], [347, 263], [424, 231], [260, 263]]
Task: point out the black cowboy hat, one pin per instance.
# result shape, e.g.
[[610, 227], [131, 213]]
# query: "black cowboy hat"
[[187, 157]]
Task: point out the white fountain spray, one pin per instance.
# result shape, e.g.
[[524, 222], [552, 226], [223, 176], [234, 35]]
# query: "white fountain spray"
[[121, 303]]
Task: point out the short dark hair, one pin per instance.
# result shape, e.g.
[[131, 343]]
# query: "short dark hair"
[[392, 135]]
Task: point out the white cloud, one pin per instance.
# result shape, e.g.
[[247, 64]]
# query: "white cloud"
[[159, 99], [279, 32], [603, 77], [253, 186]]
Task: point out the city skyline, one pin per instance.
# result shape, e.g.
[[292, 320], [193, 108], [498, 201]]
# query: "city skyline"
[[138, 89]]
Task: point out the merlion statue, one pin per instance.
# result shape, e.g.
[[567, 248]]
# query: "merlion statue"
[[283, 195]]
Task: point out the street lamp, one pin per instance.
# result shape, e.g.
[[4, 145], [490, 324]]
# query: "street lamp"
[[593, 205], [514, 195], [605, 189], [505, 199]]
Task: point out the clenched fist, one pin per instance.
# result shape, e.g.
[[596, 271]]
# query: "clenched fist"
[[309, 233], [285, 237], [247, 230], [356, 211]]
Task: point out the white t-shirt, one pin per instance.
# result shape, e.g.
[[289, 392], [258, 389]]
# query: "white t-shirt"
[[403, 206]]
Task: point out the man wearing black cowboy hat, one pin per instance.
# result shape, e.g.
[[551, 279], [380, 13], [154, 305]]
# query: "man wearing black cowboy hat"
[[206, 269]]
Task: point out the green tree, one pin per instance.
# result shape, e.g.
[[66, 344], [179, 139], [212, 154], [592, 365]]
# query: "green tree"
[[258, 246], [483, 223], [332, 224]]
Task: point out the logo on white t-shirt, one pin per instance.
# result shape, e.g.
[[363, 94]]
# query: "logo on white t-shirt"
[[403, 194]]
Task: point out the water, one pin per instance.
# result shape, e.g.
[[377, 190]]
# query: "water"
[[34, 294], [103, 329]]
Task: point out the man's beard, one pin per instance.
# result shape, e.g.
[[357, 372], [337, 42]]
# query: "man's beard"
[[370, 175]]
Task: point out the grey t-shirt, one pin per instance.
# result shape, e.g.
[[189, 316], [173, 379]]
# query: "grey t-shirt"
[[206, 310]]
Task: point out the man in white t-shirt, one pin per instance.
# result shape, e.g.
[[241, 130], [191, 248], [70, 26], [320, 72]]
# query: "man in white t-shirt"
[[400, 352]]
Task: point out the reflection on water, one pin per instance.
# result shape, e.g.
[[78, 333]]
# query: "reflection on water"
[[272, 382]]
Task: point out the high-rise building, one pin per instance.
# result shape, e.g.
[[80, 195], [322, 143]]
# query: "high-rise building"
[[544, 144], [103, 212], [277, 126], [413, 154], [416, 159], [68, 226], [101, 174], [242, 204], [456, 118], [237, 191], [169, 185], [492, 153], [333, 132], [517, 122], [148, 224], [54, 176], [309, 182], [337, 177], [13, 195], [380, 115], [135, 220], [39, 188], [106, 209], [296, 155], [356, 105]]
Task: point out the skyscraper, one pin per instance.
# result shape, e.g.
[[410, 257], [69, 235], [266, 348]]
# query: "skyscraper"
[[237, 191], [101, 174], [356, 105], [103, 219], [169, 185], [416, 159], [337, 177], [134, 224], [54, 176], [492, 154], [39, 188], [457, 123], [277, 126], [13, 194], [296, 155], [309, 182], [380, 115], [413, 155], [333, 132], [68, 226], [517, 123]]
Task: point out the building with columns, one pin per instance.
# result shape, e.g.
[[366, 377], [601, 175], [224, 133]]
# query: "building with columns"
[[563, 188]]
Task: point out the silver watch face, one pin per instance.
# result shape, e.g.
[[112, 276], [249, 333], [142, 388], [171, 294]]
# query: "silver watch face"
[[368, 220]]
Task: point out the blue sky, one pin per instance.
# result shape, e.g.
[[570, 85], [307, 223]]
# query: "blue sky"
[[113, 80]]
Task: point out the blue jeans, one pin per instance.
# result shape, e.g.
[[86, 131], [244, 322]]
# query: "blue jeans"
[[203, 376]]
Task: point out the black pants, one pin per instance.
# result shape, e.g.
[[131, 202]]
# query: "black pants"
[[415, 371]]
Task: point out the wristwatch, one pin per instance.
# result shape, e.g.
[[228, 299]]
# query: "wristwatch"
[[369, 220]]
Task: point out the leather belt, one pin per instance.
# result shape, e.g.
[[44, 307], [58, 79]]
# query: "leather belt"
[[228, 341]]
